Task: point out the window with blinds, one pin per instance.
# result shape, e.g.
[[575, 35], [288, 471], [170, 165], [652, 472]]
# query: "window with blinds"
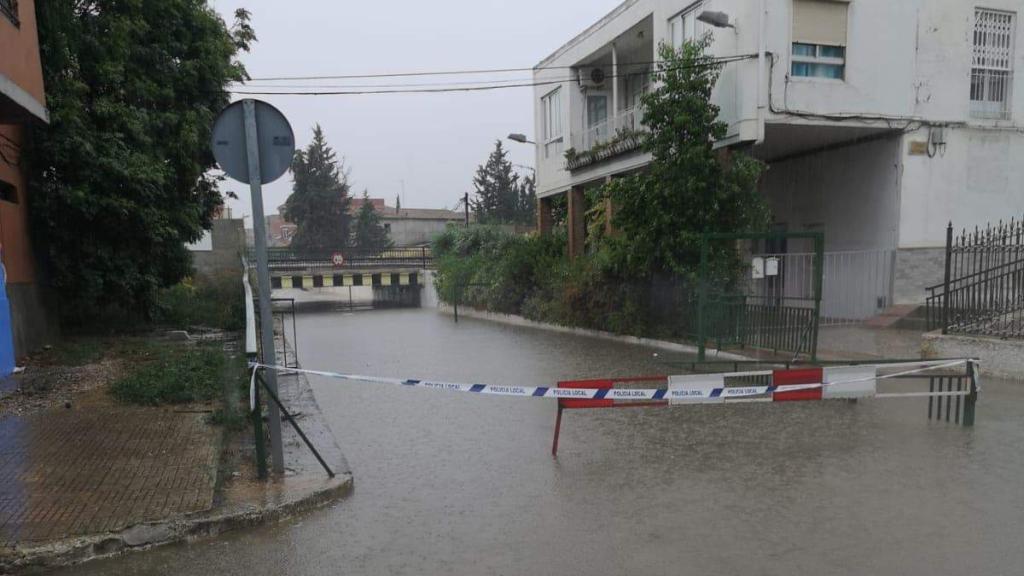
[[551, 119], [992, 63], [819, 39]]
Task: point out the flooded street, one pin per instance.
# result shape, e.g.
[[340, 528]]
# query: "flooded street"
[[462, 484]]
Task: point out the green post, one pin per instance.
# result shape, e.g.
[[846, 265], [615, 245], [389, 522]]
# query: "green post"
[[972, 398], [819, 272], [257, 425], [702, 288]]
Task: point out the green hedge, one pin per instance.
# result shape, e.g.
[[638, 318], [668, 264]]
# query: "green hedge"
[[532, 277]]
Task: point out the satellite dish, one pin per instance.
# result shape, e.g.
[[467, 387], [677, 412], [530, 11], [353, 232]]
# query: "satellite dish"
[[276, 142], [597, 76]]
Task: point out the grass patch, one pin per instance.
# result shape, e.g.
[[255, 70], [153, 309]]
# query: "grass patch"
[[172, 374], [232, 419], [216, 302]]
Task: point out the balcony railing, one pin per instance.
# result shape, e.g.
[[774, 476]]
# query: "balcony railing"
[[991, 92], [616, 135], [9, 8]]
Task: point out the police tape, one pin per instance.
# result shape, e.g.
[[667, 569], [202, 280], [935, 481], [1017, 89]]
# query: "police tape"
[[707, 387]]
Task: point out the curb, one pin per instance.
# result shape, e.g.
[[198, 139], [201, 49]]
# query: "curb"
[[152, 534], [513, 320]]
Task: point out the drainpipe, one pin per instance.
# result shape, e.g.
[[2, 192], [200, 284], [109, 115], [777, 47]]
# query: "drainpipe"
[[762, 43], [615, 90]]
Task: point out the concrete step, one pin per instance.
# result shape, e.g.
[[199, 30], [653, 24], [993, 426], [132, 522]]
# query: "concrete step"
[[904, 316]]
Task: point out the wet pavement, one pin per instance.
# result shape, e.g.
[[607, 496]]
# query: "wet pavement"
[[462, 484], [100, 467]]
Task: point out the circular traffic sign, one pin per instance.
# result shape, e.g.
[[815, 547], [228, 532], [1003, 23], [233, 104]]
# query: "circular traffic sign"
[[274, 138], [338, 259]]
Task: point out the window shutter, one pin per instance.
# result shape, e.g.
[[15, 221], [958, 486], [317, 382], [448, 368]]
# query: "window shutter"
[[819, 22]]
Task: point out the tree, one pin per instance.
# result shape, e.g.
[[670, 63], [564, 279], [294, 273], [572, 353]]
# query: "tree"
[[527, 209], [369, 234], [689, 187], [499, 196], [398, 202], [120, 178], [319, 202]]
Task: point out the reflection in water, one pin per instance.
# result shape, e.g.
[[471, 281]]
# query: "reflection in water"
[[459, 484]]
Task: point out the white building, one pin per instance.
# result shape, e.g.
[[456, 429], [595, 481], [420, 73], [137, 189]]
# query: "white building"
[[880, 120]]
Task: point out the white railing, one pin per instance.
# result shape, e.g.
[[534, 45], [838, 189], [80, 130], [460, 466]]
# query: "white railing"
[[856, 285], [250, 313], [603, 132]]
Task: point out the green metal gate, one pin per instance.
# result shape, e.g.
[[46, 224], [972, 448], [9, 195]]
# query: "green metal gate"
[[759, 310]]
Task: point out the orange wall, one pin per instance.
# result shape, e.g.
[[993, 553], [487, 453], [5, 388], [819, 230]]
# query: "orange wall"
[[19, 61], [17, 249], [19, 51]]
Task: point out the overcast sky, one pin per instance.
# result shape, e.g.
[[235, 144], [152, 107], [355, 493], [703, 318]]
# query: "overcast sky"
[[432, 142]]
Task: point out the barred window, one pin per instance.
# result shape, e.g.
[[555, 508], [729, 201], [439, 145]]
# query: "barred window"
[[992, 64], [9, 8]]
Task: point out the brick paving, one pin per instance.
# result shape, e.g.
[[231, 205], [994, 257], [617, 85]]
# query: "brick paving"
[[100, 467]]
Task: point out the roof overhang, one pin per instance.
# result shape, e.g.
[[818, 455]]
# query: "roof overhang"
[[17, 105]]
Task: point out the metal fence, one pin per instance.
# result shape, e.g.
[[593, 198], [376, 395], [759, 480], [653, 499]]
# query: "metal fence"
[[289, 259], [756, 322], [982, 292], [856, 285]]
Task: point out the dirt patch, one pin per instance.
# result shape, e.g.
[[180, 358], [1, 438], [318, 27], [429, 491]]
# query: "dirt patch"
[[45, 386]]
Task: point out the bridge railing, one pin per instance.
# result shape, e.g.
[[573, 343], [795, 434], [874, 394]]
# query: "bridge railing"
[[289, 259]]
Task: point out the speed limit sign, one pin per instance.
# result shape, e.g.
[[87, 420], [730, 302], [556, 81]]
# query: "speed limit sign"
[[337, 259]]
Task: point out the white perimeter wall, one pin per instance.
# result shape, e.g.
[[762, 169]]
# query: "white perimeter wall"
[[979, 179], [850, 193]]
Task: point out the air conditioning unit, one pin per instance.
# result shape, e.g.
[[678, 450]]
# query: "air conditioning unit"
[[592, 78]]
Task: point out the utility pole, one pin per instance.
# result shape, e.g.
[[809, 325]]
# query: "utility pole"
[[263, 280], [465, 207]]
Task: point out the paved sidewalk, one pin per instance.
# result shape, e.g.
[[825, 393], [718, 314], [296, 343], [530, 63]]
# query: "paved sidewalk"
[[101, 467], [101, 478], [861, 342]]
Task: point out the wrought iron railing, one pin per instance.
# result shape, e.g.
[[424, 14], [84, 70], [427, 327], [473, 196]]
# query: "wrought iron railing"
[[982, 292]]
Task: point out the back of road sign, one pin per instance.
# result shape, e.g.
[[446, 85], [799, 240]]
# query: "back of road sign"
[[276, 142]]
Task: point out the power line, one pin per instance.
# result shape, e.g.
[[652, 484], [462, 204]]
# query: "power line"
[[425, 73], [410, 84], [464, 87]]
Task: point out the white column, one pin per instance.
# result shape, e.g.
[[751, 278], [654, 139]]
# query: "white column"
[[615, 88]]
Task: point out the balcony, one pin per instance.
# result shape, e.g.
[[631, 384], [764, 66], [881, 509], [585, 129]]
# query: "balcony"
[[611, 137]]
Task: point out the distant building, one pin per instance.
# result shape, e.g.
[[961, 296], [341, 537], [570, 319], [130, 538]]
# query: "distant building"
[[411, 226], [279, 231], [22, 102]]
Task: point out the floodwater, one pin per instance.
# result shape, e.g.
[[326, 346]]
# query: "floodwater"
[[464, 484]]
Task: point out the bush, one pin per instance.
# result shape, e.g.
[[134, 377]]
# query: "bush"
[[216, 302], [491, 269], [173, 374]]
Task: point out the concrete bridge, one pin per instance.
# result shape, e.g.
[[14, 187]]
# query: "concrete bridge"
[[394, 276]]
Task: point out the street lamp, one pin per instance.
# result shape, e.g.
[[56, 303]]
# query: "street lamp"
[[521, 138], [716, 19]]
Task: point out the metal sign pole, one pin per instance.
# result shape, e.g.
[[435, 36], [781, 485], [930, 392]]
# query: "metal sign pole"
[[263, 281]]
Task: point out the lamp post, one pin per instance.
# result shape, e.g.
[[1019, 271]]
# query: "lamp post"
[[521, 138]]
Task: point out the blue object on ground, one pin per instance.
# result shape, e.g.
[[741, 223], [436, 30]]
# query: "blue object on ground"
[[6, 329]]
